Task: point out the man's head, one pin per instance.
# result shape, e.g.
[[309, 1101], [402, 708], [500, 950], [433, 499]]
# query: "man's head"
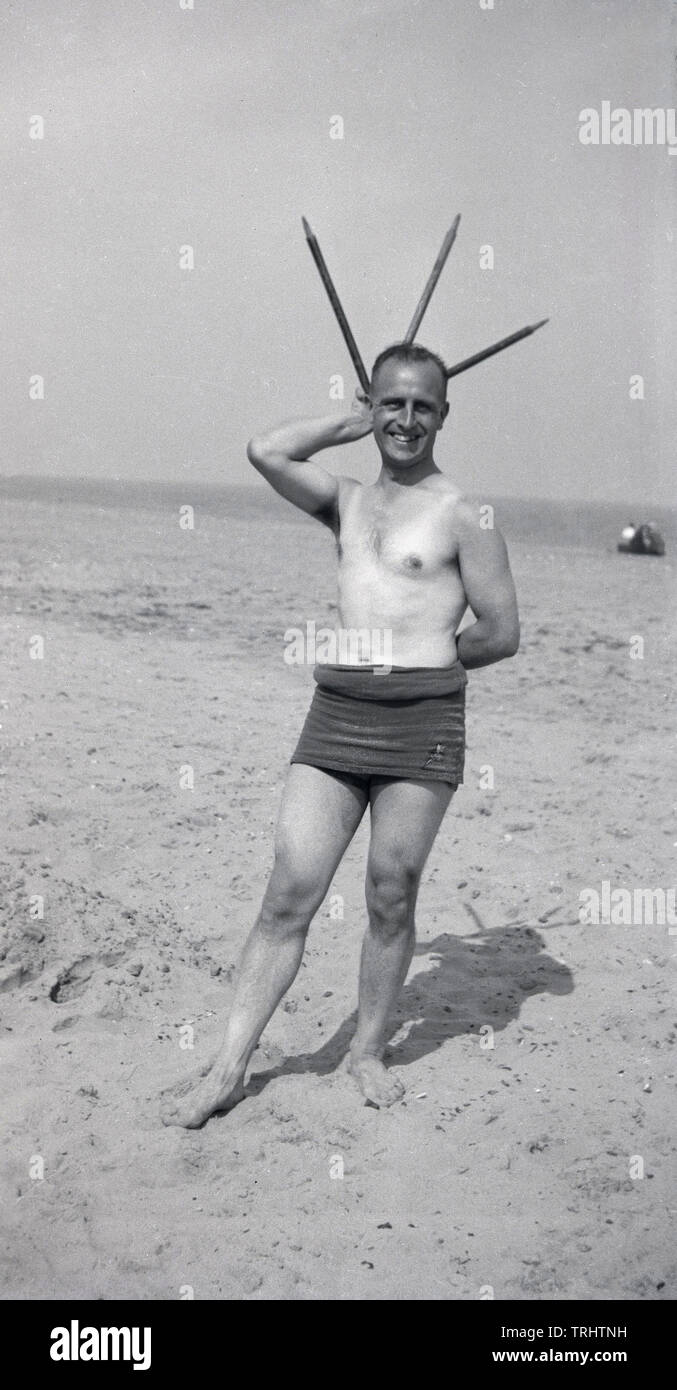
[[409, 403]]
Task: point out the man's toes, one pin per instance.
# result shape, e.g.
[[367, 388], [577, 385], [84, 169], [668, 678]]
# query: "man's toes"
[[378, 1086], [389, 1092]]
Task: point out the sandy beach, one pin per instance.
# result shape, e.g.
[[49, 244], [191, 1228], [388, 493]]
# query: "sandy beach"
[[538, 1052]]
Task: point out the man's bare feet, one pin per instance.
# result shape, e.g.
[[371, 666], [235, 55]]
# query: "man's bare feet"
[[377, 1085], [211, 1096]]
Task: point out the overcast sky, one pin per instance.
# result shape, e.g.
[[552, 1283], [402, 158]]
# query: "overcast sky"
[[210, 127]]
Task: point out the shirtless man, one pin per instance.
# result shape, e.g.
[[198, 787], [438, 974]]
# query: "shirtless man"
[[412, 556]]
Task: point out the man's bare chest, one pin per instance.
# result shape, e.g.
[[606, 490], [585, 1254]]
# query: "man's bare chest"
[[412, 538]]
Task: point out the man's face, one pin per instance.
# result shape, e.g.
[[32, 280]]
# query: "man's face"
[[409, 408]]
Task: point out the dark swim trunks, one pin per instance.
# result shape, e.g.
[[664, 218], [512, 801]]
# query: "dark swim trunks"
[[408, 723]]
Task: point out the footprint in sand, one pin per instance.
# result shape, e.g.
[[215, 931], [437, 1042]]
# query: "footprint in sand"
[[74, 980]]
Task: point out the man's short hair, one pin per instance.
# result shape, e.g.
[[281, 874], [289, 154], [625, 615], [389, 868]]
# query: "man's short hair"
[[409, 352]]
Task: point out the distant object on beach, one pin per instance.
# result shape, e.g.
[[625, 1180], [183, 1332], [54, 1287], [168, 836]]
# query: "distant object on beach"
[[641, 540]]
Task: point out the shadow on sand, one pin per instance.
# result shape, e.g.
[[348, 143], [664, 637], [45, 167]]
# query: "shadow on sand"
[[470, 981]]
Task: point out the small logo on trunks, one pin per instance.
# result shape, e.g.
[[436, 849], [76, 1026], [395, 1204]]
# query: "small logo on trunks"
[[436, 755]]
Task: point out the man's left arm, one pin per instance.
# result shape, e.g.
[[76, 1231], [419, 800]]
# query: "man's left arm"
[[485, 572]]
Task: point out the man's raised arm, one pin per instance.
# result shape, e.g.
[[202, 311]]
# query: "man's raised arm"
[[283, 457], [490, 591]]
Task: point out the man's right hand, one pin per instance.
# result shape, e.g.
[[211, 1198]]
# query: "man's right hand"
[[360, 422]]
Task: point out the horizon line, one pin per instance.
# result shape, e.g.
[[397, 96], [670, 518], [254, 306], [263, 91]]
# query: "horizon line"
[[136, 482]]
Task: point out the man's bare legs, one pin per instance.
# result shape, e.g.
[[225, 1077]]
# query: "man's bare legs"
[[405, 818], [318, 817]]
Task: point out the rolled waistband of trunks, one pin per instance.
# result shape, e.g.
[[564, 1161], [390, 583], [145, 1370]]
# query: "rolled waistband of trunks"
[[394, 683], [408, 722]]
